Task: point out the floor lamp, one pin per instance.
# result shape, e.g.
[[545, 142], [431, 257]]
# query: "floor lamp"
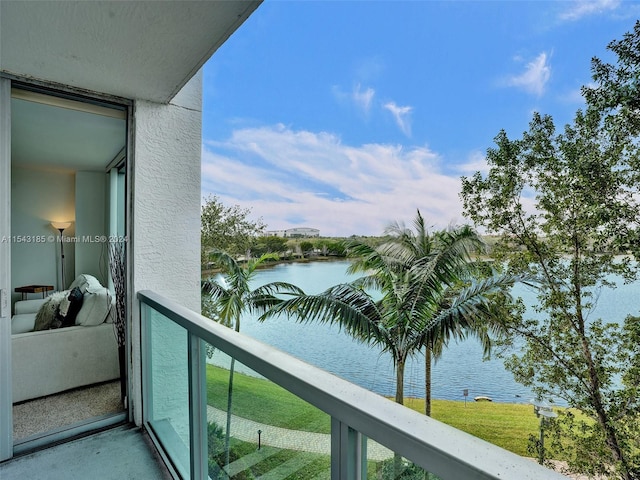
[[61, 226]]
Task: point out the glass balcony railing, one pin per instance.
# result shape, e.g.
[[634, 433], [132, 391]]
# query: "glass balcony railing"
[[255, 427], [167, 388], [221, 405]]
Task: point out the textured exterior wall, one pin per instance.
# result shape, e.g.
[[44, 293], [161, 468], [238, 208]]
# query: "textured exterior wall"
[[165, 217]]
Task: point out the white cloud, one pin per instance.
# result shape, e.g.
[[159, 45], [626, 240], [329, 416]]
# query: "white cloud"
[[476, 162], [401, 116], [312, 179], [583, 8], [363, 99], [535, 76]]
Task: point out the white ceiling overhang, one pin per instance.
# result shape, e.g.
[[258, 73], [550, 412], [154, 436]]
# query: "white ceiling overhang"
[[131, 49]]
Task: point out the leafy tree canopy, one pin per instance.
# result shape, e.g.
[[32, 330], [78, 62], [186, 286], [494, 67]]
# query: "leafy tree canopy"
[[412, 294], [566, 207], [617, 89], [270, 244], [227, 228]]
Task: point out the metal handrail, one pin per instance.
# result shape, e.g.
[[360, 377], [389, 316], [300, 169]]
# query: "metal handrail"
[[438, 448]]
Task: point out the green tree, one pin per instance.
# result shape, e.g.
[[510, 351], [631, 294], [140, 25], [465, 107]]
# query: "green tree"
[[564, 205], [227, 228], [617, 90], [270, 244], [412, 300], [322, 246], [306, 247], [421, 247], [231, 295], [331, 247]]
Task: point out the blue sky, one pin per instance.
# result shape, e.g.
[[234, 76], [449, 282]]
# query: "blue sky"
[[348, 115]]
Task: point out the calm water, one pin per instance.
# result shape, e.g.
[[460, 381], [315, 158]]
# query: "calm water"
[[461, 366]]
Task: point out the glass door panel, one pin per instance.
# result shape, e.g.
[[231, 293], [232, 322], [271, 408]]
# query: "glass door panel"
[[64, 180]]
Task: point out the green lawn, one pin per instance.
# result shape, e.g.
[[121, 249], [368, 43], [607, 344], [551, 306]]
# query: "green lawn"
[[264, 402], [507, 425], [503, 424]]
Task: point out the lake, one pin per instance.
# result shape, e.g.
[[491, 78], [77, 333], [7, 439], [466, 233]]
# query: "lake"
[[461, 366]]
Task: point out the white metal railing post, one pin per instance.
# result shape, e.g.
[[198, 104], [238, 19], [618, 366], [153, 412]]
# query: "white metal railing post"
[[197, 408], [145, 360], [362, 445], [336, 449], [347, 449], [354, 458]]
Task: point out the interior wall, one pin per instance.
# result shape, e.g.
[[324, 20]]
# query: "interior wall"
[[91, 254], [39, 197]]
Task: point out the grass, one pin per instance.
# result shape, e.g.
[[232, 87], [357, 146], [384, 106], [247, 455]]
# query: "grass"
[[503, 424], [289, 464], [264, 402], [507, 425]]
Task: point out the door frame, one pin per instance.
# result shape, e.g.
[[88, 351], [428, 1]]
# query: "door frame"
[[8, 446], [6, 389]]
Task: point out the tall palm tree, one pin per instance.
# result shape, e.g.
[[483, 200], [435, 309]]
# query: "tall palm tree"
[[412, 302], [228, 298], [418, 246]]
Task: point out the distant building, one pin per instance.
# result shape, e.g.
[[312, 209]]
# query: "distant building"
[[300, 232]]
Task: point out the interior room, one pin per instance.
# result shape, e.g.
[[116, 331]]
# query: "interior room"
[[68, 158]]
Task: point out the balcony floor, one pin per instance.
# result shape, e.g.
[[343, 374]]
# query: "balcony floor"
[[122, 452]]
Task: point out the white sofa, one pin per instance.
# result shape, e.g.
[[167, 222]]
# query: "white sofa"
[[51, 361]]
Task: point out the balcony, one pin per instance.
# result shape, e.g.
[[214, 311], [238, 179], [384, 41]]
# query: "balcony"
[[285, 418]]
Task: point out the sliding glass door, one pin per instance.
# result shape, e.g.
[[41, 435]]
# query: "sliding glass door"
[[61, 158]]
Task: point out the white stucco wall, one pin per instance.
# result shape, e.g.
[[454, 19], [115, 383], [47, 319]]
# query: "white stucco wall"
[[165, 216]]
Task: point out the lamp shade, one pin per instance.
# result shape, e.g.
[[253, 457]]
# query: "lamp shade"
[[60, 225]]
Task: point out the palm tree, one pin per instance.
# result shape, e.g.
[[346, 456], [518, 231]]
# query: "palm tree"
[[413, 299], [228, 298], [418, 246]]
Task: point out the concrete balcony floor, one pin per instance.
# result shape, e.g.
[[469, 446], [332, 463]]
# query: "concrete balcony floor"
[[121, 452]]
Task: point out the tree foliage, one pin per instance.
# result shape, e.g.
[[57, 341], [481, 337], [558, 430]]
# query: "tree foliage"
[[418, 245], [331, 247], [231, 295], [227, 228], [270, 244], [617, 87], [566, 206], [226, 298], [411, 296], [306, 247]]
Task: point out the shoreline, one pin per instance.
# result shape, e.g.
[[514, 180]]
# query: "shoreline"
[[469, 401], [208, 272]]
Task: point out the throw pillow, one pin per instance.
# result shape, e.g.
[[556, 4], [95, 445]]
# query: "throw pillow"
[[95, 307], [69, 309], [47, 313], [85, 282]]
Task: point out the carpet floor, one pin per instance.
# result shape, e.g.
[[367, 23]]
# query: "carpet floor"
[[44, 414]]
